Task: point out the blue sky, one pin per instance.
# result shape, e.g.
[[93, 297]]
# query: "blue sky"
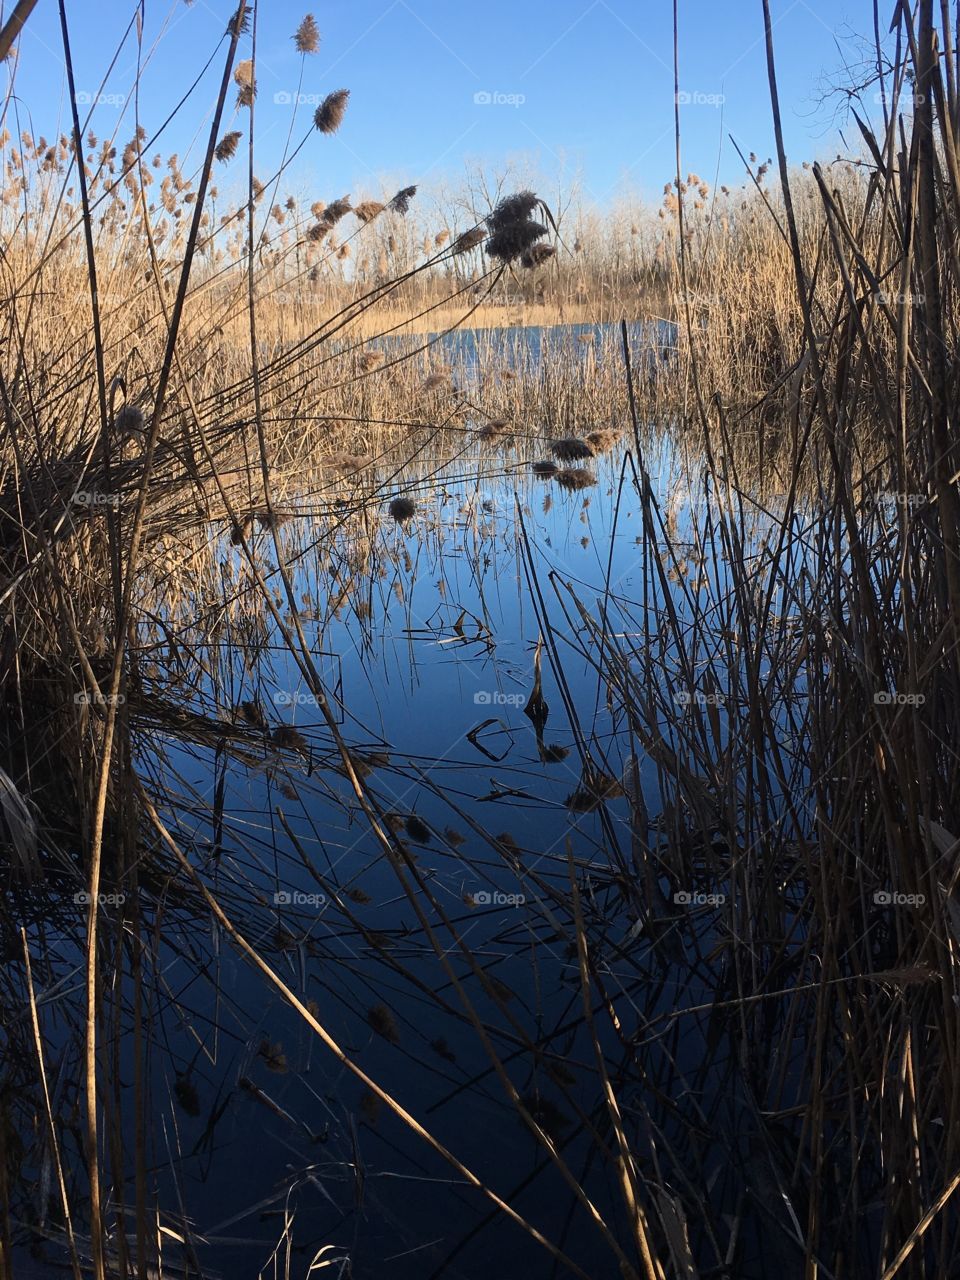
[[574, 86]]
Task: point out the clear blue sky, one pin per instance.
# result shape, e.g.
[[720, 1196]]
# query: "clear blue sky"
[[583, 83]]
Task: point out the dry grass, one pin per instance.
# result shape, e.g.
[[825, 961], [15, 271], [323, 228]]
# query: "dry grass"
[[156, 517]]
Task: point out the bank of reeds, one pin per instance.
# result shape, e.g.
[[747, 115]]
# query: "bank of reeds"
[[758, 931]]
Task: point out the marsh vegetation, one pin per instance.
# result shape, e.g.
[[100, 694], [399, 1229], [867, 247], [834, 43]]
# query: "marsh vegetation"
[[480, 739]]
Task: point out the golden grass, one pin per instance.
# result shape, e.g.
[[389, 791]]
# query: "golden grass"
[[198, 392]]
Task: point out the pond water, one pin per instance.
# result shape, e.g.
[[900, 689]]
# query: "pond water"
[[453, 980], [433, 675]]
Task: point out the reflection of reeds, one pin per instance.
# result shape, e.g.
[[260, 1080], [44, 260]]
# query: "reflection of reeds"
[[574, 479], [346, 463], [602, 441], [735, 661], [571, 449], [494, 432], [402, 509]]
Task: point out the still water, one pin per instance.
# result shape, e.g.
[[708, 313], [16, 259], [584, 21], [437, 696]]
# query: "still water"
[[451, 978]]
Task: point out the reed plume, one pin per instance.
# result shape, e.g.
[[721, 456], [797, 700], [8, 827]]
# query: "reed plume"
[[400, 203], [239, 24], [513, 231], [227, 146], [243, 77], [537, 255], [602, 441], [307, 36], [367, 210], [334, 211], [570, 449], [469, 240], [402, 509], [575, 478], [494, 431], [329, 115]]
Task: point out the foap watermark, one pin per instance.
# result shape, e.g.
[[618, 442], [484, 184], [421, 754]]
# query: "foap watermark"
[[887, 898], [83, 899], [284, 98], [494, 698], [86, 699], [495, 98], [899, 299], [891, 698], [688, 898], [297, 699], [698, 299], [494, 898], [293, 297], [90, 498], [694, 98], [87, 99], [895, 498], [295, 898], [886, 96], [693, 697]]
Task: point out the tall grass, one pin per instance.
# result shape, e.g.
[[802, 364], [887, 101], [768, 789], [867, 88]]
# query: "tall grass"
[[210, 415]]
